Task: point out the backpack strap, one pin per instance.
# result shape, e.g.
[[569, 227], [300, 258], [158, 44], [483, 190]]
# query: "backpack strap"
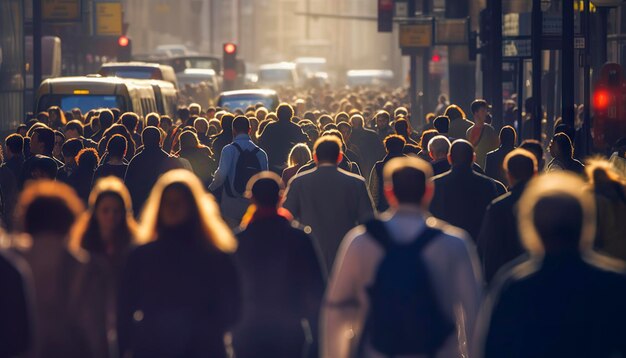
[[425, 237], [378, 231], [239, 149]]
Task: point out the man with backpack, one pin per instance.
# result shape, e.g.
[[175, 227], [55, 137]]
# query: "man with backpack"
[[406, 284], [239, 162]]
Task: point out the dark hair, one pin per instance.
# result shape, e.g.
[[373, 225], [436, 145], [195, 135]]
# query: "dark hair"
[[130, 120], [564, 143], [72, 147], [327, 148], [87, 159], [284, 112], [461, 153], [427, 135], [14, 143], [394, 143], [45, 135], [167, 119], [241, 124], [153, 119], [520, 164], [151, 137], [20, 127], [116, 146], [508, 136], [454, 112], [116, 114], [558, 219], [265, 189], [227, 123], [409, 184], [401, 127], [478, 104], [59, 134], [442, 124], [106, 119], [46, 206], [75, 125], [535, 147]]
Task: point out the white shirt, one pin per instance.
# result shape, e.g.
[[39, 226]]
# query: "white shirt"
[[450, 257]]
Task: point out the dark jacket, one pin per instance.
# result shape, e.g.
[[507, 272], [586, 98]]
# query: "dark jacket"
[[368, 146], [277, 140], [219, 142], [16, 325], [144, 170], [177, 299], [106, 169], [498, 241], [461, 198], [558, 306], [282, 284], [376, 182], [494, 161]]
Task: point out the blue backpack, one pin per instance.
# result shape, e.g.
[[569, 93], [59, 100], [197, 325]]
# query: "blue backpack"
[[404, 315], [247, 166]]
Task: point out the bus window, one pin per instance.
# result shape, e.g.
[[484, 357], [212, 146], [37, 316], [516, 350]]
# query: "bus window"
[[84, 102]]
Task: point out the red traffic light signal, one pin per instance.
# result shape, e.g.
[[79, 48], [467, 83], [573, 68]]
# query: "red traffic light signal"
[[601, 99], [230, 48], [123, 41]]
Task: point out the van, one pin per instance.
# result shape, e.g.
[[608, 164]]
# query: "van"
[[278, 74], [93, 92], [139, 70], [369, 77], [166, 96]]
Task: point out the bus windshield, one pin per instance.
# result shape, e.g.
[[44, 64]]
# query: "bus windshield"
[[143, 73], [84, 102]]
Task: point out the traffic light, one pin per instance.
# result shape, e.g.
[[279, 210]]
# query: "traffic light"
[[124, 49], [385, 15], [608, 102], [229, 65]]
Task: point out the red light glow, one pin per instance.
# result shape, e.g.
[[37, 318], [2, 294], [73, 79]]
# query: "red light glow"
[[230, 48], [601, 99], [123, 41]]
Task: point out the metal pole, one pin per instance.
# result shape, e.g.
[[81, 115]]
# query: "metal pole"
[[520, 97], [604, 17], [536, 33], [413, 75], [37, 33], [567, 71], [496, 61], [586, 23]]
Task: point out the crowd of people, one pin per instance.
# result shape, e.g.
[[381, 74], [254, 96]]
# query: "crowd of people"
[[328, 227]]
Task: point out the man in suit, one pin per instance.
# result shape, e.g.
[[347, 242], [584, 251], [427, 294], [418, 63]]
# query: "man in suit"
[[495, 158], [366, 141], [279, 137], [498, 241], [328, 199], [462, 195]]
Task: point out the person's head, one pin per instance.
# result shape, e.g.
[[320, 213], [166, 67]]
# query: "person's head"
[[117, 146], [357, 121], [327, 150], [520, 165], [284, 112], [59, 139], [394, 144], [241, 125], [461, 153], [454, 112], [438, 147], [442, 124], [382, 119], [400, 112], [535, 147], [43, 117], [130, 121], [201, 125], [70, 150], [106, 119], [561, 146], [195, 109], [427, 135], [56, 117], [401, 126], [74, 129], [260, 113], [556, 214], [42, 141], [47, 207], [188, 141], [166, 123], [480, 109], [151, 137], [14, 144], [346, 130], [407, 182], [325, 120], [108, 224], [21, 130], [508, 137], [87, 159], [178, 202], [265, 190], [227, 123], [153, 119], [299, 155]]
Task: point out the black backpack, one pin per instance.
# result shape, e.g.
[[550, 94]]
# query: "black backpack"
[[404, 315], [247, 166]]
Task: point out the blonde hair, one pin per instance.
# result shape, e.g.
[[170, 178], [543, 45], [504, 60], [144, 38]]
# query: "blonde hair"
[[213, 227], [550, 185]]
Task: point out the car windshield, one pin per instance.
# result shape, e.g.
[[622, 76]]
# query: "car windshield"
[[84, 102], [275, 75], [143, 73], [243, 101]]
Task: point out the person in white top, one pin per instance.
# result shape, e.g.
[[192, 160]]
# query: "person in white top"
[[450, 258]]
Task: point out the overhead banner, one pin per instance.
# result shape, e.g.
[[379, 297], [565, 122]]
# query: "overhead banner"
[[108, 19], [61, 10]]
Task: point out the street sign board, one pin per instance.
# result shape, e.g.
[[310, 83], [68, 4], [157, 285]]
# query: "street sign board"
[[451, 31], [108, 19], [61, 10], [413, 36]]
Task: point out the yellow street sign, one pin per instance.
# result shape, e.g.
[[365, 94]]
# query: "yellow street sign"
[[60, 10], [416, 35], [108, 18]]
